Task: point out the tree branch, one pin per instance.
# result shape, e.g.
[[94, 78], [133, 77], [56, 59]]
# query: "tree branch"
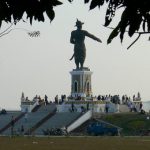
[[5, 33], [1, 34], [30, 33], [128, 31], [140, 33], [134, 41]]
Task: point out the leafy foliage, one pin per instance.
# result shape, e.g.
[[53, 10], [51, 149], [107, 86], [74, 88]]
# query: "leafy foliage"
[[13, 10], [34, 33], [136, 14], [30, 33]]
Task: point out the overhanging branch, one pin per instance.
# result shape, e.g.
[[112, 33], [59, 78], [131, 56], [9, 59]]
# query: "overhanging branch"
[[30, 33], [134, 41], [140, 33]]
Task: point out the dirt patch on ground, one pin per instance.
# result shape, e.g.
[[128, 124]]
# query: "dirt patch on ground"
[[75, 143]]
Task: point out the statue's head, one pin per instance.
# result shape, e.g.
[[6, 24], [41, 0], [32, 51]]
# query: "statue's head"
[[79, 24]]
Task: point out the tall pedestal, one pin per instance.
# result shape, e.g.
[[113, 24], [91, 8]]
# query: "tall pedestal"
[[81, 82]]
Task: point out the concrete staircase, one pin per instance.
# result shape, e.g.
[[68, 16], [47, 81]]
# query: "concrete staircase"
[[5, 119], [59, 120], [32, 119], [36, 108], [40, 122], [45, 117], [46, 108]]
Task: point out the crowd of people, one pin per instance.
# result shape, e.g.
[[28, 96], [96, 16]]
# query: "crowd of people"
[[37, 99], [124, 99], [116, 99], [61, 100], [45, 100]]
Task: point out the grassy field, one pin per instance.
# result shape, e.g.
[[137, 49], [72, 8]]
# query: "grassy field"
[[75, 143], [131, 123]]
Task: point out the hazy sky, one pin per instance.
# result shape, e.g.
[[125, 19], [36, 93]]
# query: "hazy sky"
[[41, 65]]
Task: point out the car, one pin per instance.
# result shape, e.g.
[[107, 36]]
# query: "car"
[[98, 128], [145, 132]]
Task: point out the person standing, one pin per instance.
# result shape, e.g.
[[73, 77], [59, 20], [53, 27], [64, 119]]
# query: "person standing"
[[87, 106], [72, 107], [12, 123], [106, 107], [22, 130], [26, 117], [141, 105], [46, 100]]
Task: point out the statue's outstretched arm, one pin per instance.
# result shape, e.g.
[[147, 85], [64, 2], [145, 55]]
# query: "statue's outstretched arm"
[[92, 37]]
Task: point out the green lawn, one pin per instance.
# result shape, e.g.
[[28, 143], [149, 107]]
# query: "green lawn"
[[75, 143], [132, 123]]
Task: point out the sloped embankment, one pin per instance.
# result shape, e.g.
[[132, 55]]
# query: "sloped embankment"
[[132, 123]]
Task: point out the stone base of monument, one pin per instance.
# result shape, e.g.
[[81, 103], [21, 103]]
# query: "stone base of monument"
[[81, 99], [81, 86]]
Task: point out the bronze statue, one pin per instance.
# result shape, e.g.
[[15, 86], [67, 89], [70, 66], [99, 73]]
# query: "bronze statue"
[[77, 38]]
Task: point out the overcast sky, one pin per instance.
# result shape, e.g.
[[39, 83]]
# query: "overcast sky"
[[41, 65]]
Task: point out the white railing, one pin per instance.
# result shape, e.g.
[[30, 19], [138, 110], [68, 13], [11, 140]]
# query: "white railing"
[[86, 116]]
